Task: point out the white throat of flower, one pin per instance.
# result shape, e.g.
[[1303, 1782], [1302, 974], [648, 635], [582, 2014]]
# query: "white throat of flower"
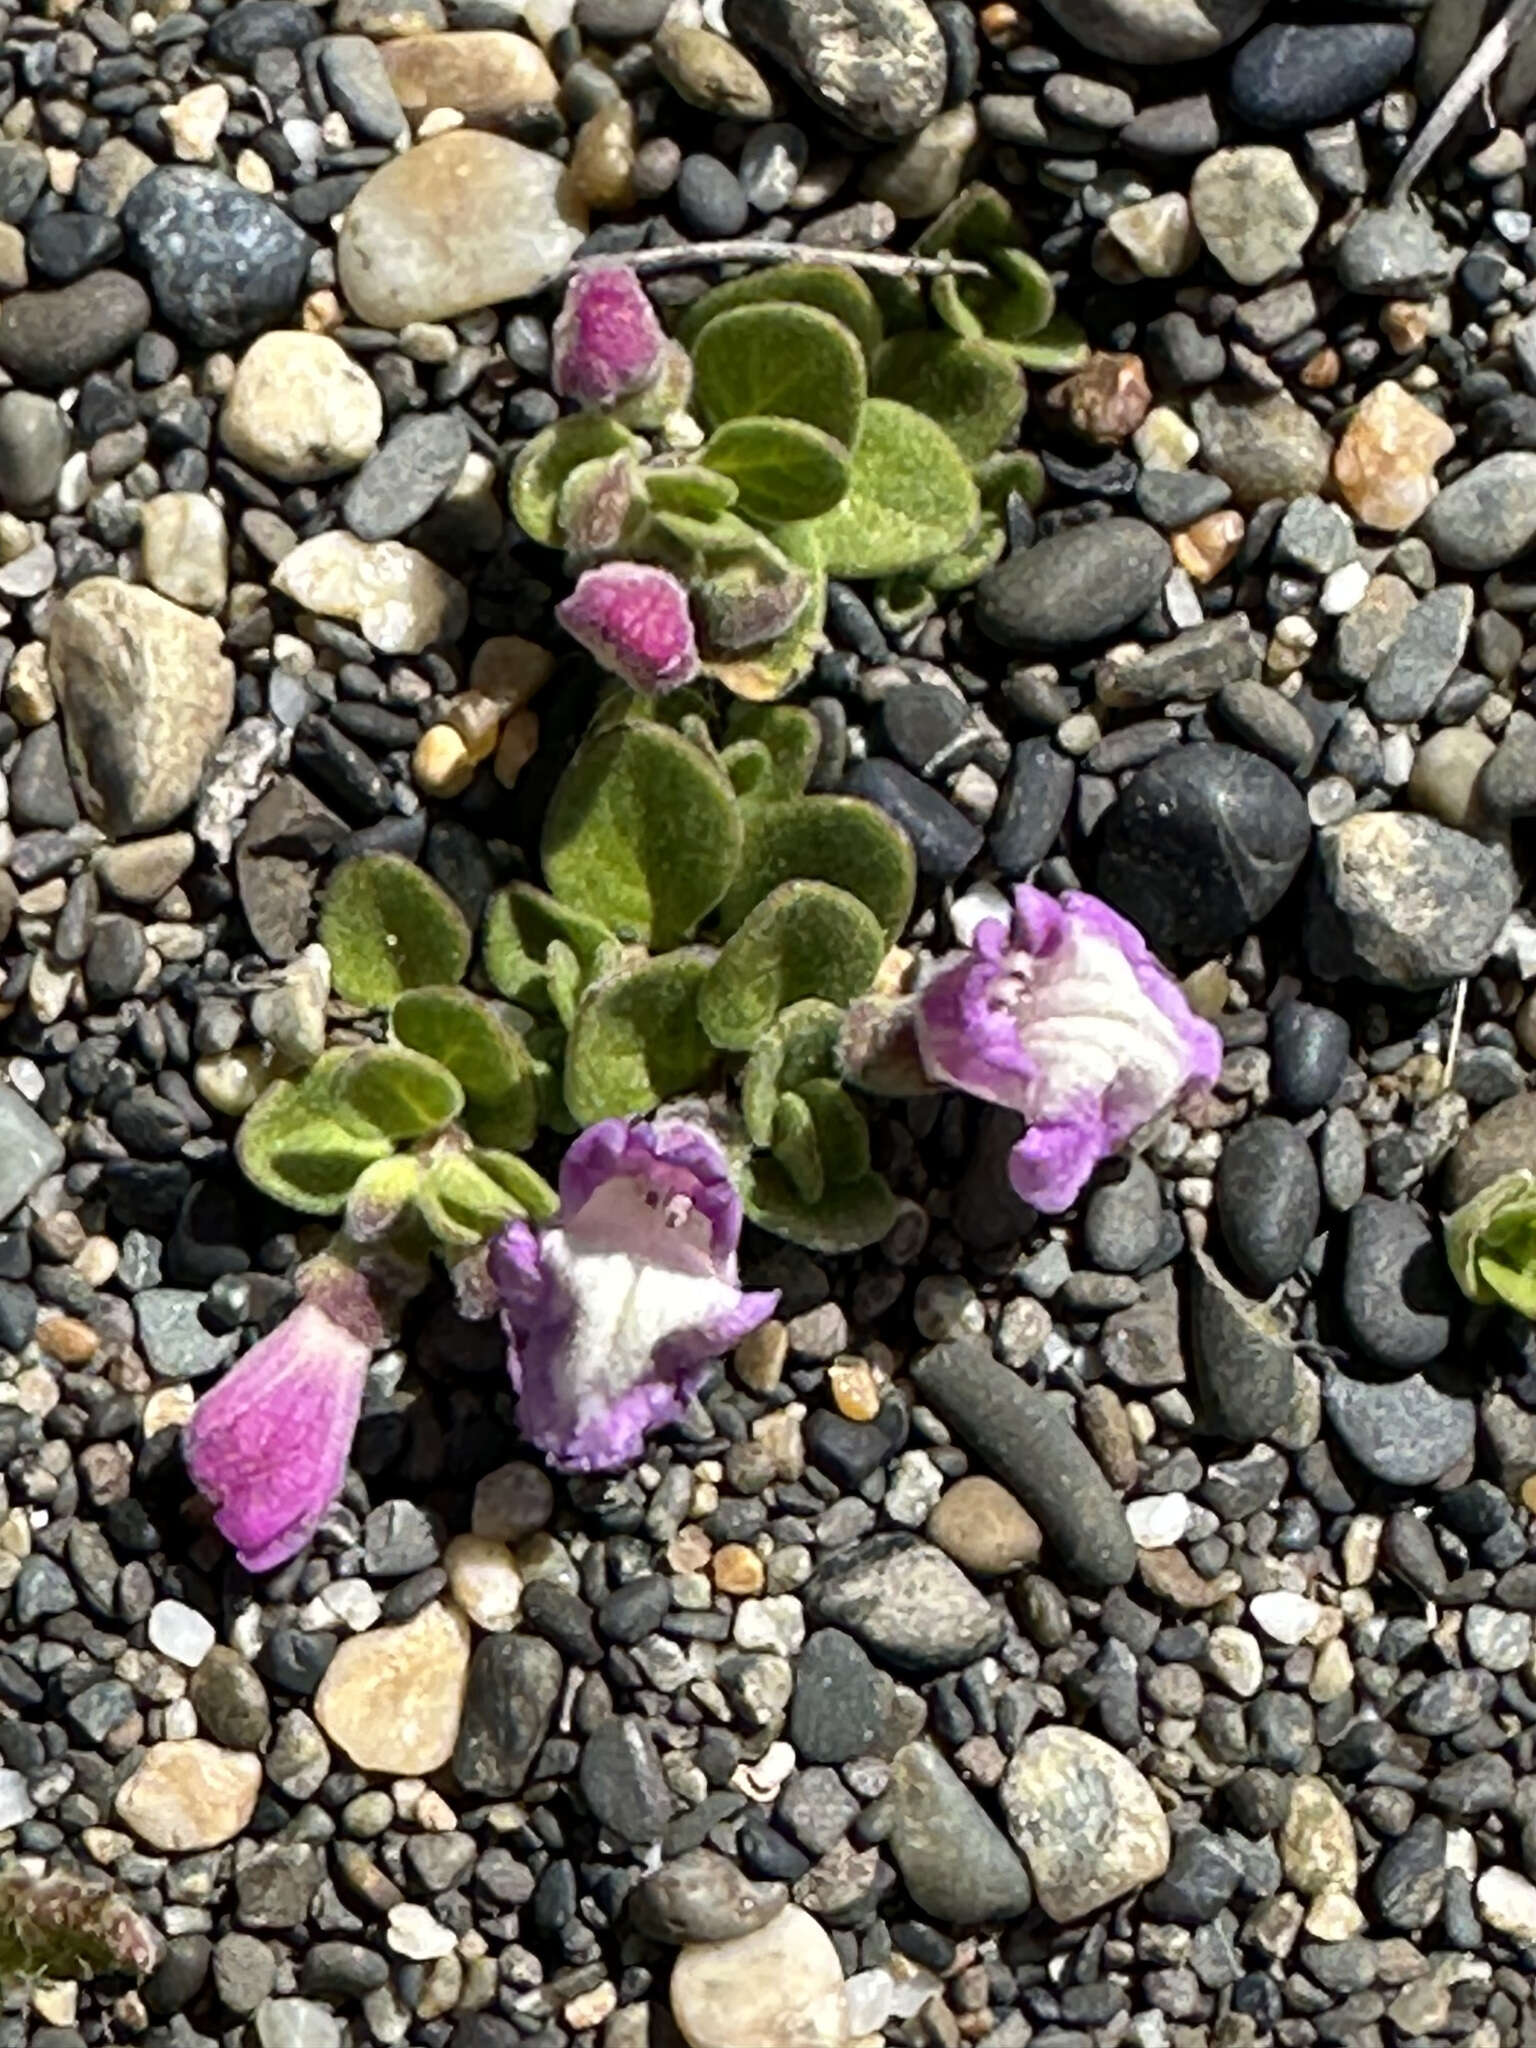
[[622, 1307]]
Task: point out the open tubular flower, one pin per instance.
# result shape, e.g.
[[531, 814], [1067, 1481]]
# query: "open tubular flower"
[[1063, 1014], [613, 1309]]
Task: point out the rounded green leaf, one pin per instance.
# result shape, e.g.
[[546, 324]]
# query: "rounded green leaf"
[[911, 497], [538, 952], [532, 1193], [959, 569], [750, 767], [782, 468], [381, 1195], [294, 1147], [795, 1148], [842, 293], [792, 361], [842, 1136], [799, 1046], [792, 737], [1060, 345], [543, 466], [804, 939], [388, 927], [1016, 302], [1000, 476], [846, 1219], [460, 1203], [977, 221], [461, 1030], [838, 839], [969, 388], [690, 488], [642, 833], [637, 1039], [402, 1095]]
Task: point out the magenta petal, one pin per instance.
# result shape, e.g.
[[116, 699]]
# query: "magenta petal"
[[634, 620], [615, 1308], [1070, 1020], [268, 1446], [607, 340]]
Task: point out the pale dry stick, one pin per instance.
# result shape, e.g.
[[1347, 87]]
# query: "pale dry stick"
[[1451, 1050], [882, 262], [1459, 95]]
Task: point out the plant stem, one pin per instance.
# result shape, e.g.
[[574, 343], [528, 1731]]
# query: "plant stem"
[[882, 262], [1459, 95]]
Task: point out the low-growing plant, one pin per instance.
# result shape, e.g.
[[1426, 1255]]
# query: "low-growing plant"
[[703, 924], [1491, 1243], [800, 425], [62, 1926]]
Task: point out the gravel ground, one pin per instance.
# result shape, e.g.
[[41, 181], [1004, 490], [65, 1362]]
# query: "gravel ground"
[[1214, 1731]]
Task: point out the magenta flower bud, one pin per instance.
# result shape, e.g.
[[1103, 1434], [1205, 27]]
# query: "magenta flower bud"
[[634, 620], [607, 341], [613, 1309], [269, 1444], [1069, 1019]]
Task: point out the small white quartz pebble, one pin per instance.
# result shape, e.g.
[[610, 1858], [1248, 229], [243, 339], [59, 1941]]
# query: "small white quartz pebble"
[[1287, 1618], [413, 1933], [1158, 1520], [1507, 1901], [180, 1633], [1343, 590], [15, 1800]]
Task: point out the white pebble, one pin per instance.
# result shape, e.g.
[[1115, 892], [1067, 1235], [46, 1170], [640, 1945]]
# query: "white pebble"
[[1507, 1901], [1158, 1520], [1343, 590], [180, 1633], [871, 1995], [413, 1933], [1287, 1618], [15, 1800]]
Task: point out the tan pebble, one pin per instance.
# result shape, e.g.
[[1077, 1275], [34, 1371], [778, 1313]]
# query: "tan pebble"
[[194, 123], [485, 1581], [781, 1987], [689, 1550], [477, 721], [518, 744], [253, 172], [603, 159], [758, 1360], [13, 259], [168, 1408], [1109, 1434], [590, 2008], [1317, 1842], [190, 1795], [479, 73], [782, 1437], [511, 669], [1409, 323], [441, 763], [981, 1526], [29, 696], [1002, 25], [96, 1261], [1322, 371], [1333, 1916], [855, 1390], [1170, 1576], [67, 1339], [322, 311], [1205, 549], [1385, 464], [391, 1698], [739, 1570]]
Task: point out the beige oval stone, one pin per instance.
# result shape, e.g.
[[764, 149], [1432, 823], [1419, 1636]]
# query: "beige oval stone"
[[1253, 210], [781, 1987], [459, 222], [190, 1795], [300, 409], [391, 1698], [1317, 1843], [1089, 1824], [484, 1581], [482, 72], [147, 696], [1385, 464], [185, 549], [981, 1526], [399, 599]]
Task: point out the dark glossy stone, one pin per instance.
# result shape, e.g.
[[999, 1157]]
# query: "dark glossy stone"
[[1291, 75]]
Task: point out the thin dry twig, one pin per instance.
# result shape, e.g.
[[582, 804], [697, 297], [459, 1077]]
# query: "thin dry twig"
[[1454, 1046], [1459, 95], [883, 262]]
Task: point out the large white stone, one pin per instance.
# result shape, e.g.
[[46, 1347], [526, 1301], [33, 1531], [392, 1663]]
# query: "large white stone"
[[185, 549], [399, 599], [1507, 1901], [190, 1795], [462, 221], [1089, 1824], [301, 409], [781, 1987]]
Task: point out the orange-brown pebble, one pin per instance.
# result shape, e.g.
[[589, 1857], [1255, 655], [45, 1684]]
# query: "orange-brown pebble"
[[1528, 1493], [855, 1390], [1002, 25], [981, 1526], [67, 1339], [519, 743], [603, 159], [1205, 548], [1385, 464], [739, 1570], [476, 718], [1322, 371], [1106, 400]]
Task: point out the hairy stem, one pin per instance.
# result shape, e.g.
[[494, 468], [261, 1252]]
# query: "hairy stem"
[[880, 261]]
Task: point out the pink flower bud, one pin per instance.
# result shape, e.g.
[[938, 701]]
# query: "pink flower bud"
[[634, 620], [607, 339]]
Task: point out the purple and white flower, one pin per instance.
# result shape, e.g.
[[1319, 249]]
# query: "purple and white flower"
[[268, 1446], [613, 1309], [607, 341], [1063, 1014], [634, 620]]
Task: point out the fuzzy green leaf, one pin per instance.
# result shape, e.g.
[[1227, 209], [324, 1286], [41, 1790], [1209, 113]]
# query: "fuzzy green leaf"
[[642, 834], [603, 510], [903, 602], [1016, 302], [637, 1039], [543, 466], [791, 361], [388, 927], [464, 1033], [538, 952], [958, 570], [976, 222], [799, 1046], [380, 1197], [842, 1136], [847, 1218], [532, 1193], [969, 388], [1000, 476], [690, 488], [782, 468], [400, 1094], [293, 1145], [961, 320], [842, 293], [910, 497], [804, 939], [1490, 1243], [750, 766], [792, 737], [795, 1148], [460, 1203], [1060, 345], [838, 839]]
